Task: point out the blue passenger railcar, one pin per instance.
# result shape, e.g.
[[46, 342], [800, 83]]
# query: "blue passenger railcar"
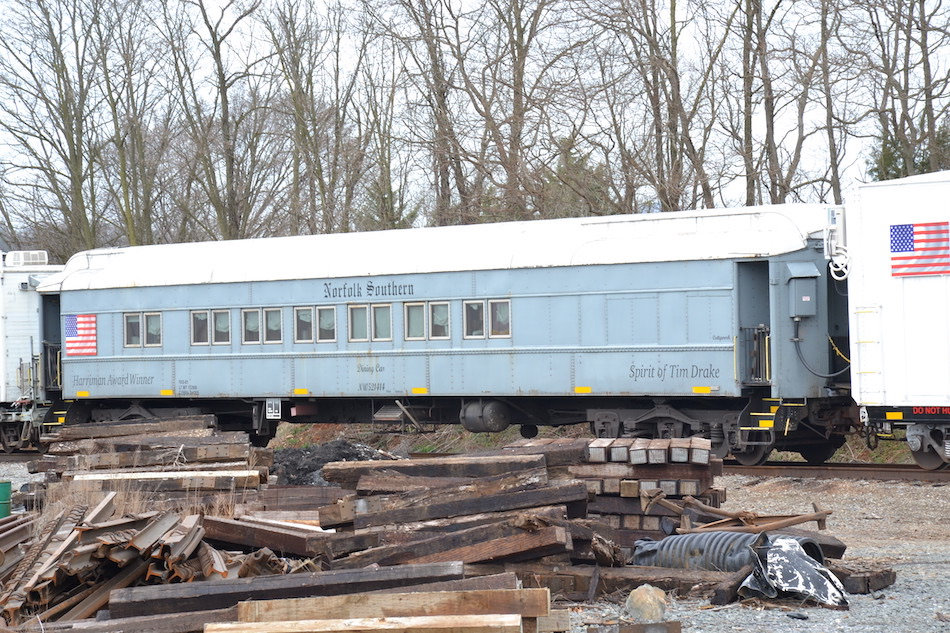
[[722, 323]]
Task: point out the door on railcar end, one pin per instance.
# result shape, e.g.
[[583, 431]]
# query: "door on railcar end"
[[753, 313], [51, 363]]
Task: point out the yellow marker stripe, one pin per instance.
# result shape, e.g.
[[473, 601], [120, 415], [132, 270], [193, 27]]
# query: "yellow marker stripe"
[[420, 391], [894, 415], [702, 389], [766, 424], [82, 394], [167, 392], [582, 390], [299, 391]]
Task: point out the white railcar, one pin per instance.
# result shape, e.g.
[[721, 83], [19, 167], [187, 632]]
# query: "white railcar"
[[898, 235]]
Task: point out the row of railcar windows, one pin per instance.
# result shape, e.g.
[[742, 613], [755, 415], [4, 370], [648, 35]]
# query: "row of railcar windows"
[[365, 322]]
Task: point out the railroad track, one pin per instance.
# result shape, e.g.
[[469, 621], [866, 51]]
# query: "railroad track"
[[880, 472]]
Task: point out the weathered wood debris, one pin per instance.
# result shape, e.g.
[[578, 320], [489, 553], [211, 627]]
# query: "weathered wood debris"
[[508, 529]]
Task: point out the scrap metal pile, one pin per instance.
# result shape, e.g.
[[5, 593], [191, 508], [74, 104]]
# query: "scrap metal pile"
[[577, 519]]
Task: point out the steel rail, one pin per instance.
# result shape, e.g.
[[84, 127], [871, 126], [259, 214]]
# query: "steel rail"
[[876, 472]]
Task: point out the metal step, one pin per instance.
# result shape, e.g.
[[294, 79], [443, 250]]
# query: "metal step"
[[389, 413]]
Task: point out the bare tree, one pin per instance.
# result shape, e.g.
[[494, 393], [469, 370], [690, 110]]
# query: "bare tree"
[[49, 63], [318, 63]]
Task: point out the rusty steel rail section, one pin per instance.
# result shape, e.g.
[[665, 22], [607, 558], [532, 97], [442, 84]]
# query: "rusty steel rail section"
[[877, 472]]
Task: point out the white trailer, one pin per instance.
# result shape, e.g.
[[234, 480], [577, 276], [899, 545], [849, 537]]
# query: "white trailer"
[[21, 404], [898, 239]]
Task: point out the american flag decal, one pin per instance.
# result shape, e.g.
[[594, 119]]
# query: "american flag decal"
[[920, 249], [80, 334]]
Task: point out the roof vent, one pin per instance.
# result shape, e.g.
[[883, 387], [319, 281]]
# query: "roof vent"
[[26, 258]]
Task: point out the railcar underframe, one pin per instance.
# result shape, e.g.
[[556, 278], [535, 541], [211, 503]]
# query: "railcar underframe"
[[814, 427]]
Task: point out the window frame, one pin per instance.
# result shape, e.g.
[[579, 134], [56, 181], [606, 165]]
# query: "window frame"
[[425, 321], [316, 330], [146, 317], [313, 329], [491, 319], [208, 327], [448, 321], [125, 329], [245, 312], [350, 309], [265, 330], [374, 333], [214, 329], [465, 328]]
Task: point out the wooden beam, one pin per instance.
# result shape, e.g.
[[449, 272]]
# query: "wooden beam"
[[227, 592], [415, 624], [524, 602], [570, 493], [348, 473]]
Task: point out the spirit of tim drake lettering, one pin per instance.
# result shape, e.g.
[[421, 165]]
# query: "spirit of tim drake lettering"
[[370, 290]]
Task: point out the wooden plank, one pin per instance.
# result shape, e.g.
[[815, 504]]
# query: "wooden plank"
[[630, 488], [649, 471], [619, 450], [559, 451], [638, 451], [597, 450], [700, 449], [183, 456], [193, 622], [114, 429], [459, 466], [558, 621], [279, 539], [549, 540], [504, 580], [505, 623], [574, 494], [388, 481], [612, 579], [680, 449], [164, 441], [227, 592], [525, 602], [658, 451], [428, 545]]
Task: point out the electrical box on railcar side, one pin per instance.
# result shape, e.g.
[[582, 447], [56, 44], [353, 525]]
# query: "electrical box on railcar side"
[[898, 234]]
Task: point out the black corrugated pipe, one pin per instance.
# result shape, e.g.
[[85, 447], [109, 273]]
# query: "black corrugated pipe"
[[714, 551]]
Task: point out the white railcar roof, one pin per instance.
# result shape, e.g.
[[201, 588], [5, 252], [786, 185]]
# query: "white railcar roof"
[[656, 237]]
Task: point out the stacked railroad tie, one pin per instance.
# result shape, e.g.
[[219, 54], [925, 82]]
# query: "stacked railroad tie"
[[519, 517], [630, 478], [177, 462]]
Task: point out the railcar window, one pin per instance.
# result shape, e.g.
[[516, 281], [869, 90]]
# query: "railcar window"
[[200, 333], [474, 312], [415, 321], [303, 325], [499, 314], [153, 329], [326, 325], [382, 323], [133, 330], [222, 327], [251, 325], [358, 323], [273, 325], [439, 320]]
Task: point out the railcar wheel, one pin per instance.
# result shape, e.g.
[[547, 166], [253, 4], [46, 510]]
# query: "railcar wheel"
[[928, 460], [754, 455]]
